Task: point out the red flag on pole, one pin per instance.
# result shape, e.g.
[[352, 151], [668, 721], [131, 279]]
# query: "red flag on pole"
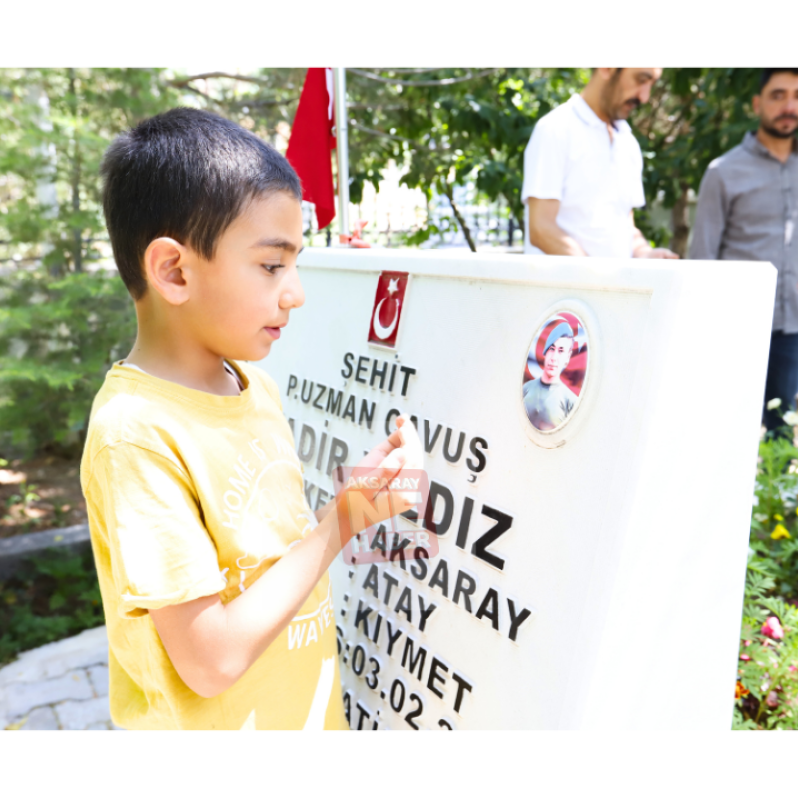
[[311, 141]]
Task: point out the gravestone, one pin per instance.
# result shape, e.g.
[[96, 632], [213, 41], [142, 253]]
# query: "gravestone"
[[591, 430]]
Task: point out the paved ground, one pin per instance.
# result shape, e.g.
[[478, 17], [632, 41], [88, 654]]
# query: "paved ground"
[[62, 685]]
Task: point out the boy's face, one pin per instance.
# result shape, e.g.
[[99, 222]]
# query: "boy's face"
[[241, 299]]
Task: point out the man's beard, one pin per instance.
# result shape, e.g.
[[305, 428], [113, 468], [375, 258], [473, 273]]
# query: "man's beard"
[[613, 108], [775, 132], [634, 102]]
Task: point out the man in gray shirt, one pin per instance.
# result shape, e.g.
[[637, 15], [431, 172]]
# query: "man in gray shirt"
[[748, 210]]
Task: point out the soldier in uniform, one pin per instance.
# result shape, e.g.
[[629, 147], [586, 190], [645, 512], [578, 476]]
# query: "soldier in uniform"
[[548, 400]]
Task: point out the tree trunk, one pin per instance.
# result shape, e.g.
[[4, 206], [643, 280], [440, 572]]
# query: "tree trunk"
[[680, 223], [46, 194], [77, 233], [447, 189]]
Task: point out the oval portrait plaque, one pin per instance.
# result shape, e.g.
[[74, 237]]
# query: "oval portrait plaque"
[[555, 372]]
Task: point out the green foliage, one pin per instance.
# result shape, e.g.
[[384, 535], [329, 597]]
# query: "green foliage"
[[774, 523], [52, 596], [414, 239], [55, 125], [766, 695], [694, 116], [58, 337], [64, 313], [443, 126], [62, 320], [27, 494], [452, 126]]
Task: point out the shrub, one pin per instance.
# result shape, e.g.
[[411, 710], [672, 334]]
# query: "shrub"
[[58, 337], [766, 693], [53, 595]]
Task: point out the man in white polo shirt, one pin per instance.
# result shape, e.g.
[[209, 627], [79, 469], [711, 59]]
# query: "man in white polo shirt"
[[583, 172]]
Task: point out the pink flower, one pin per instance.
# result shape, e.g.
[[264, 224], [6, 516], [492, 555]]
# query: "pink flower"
[[773, 699], [792, 668], [745, 658], [772, 628]]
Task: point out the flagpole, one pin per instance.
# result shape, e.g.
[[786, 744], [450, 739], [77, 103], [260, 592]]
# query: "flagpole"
[[342, 153]]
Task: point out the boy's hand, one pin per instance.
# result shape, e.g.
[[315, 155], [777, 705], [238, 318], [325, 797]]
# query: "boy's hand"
[[400, 453], [211, 645], [404, 439]]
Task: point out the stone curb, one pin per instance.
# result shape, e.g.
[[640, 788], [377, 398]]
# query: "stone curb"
[[69, 676], [14, 550], [83, 650]]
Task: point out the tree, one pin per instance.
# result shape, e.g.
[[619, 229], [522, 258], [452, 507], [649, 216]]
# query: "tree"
[[462, 126], [55, 125], [451, 126], [466, 125], [695, 115], [61, 322]]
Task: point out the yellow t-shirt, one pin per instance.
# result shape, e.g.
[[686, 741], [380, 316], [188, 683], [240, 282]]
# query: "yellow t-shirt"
[[191, 494]]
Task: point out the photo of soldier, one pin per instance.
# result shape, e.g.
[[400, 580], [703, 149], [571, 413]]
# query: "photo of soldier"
[[555, 372]]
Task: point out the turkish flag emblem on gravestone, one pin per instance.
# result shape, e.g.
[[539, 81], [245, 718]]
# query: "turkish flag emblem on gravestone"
[[387, 310]]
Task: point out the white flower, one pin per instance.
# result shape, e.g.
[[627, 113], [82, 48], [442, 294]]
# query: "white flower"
[[791, 418], [773, 404], [755, 502]]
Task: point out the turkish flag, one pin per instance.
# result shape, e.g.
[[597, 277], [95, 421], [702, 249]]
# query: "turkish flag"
[[387, 308], [311, 141]]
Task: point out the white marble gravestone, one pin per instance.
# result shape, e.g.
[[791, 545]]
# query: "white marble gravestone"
[[588, 576]]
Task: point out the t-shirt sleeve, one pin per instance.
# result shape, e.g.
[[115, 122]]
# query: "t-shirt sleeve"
[[545, 163], [160, 551]]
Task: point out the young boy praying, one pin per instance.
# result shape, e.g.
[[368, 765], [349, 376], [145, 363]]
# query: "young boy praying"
[[205, 546]]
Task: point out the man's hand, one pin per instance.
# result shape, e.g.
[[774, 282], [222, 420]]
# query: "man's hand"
[[544, 232], [655, 252], [642, 249]]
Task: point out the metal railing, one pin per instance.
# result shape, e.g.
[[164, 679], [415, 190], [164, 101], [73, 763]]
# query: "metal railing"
[[401, 224]]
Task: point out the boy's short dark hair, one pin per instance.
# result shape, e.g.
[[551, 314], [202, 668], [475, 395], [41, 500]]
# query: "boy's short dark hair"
[[186, 174], [767, 74]]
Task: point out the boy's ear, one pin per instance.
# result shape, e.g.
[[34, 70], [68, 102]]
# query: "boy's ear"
[[165, 262]]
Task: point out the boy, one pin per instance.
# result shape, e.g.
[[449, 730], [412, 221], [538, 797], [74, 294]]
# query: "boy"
[[205, 548]]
